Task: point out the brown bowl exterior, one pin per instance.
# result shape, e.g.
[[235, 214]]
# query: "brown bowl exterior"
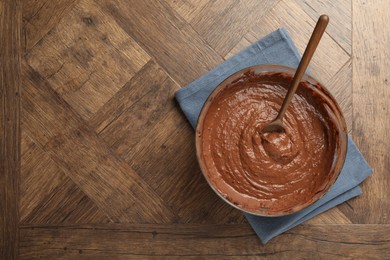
[[341, 146]]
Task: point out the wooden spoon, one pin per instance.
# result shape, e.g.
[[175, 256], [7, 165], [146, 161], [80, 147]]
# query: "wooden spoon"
[[277, 124]]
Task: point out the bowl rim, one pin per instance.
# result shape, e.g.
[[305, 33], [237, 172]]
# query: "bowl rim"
[[277, 68]]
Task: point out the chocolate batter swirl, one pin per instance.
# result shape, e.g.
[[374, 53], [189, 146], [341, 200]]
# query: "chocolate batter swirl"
[[271, 171]]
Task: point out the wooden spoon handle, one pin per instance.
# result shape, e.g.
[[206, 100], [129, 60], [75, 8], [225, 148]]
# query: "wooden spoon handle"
[[311, 47]]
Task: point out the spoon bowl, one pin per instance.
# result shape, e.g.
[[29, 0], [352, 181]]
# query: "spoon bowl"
[[274, 126]]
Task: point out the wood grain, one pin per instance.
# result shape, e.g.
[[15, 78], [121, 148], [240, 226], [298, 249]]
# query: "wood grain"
[[104, 141], [10, 26], [40, 16], [147, 103], [340, 86], [235, 17], [87, 58], [340, 27], [165, 36], [39, 176], [181, 185], [331, 217], [329, 57], [371, 95], [188, 9], [67, 203], [203, 241], [147, 82], [48, 195], [242, 44], [155, 100], [69, 139]]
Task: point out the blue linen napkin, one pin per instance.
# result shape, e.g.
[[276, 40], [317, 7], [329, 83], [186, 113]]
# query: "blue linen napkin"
[[275, 48]]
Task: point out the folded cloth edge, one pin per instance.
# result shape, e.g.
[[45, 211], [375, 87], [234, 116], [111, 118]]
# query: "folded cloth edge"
[[267, 236]]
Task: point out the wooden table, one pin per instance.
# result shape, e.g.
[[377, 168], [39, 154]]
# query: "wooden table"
[[97, 161]]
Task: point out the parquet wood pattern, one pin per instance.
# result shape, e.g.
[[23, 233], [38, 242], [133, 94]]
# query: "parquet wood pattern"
[[105, 158]]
